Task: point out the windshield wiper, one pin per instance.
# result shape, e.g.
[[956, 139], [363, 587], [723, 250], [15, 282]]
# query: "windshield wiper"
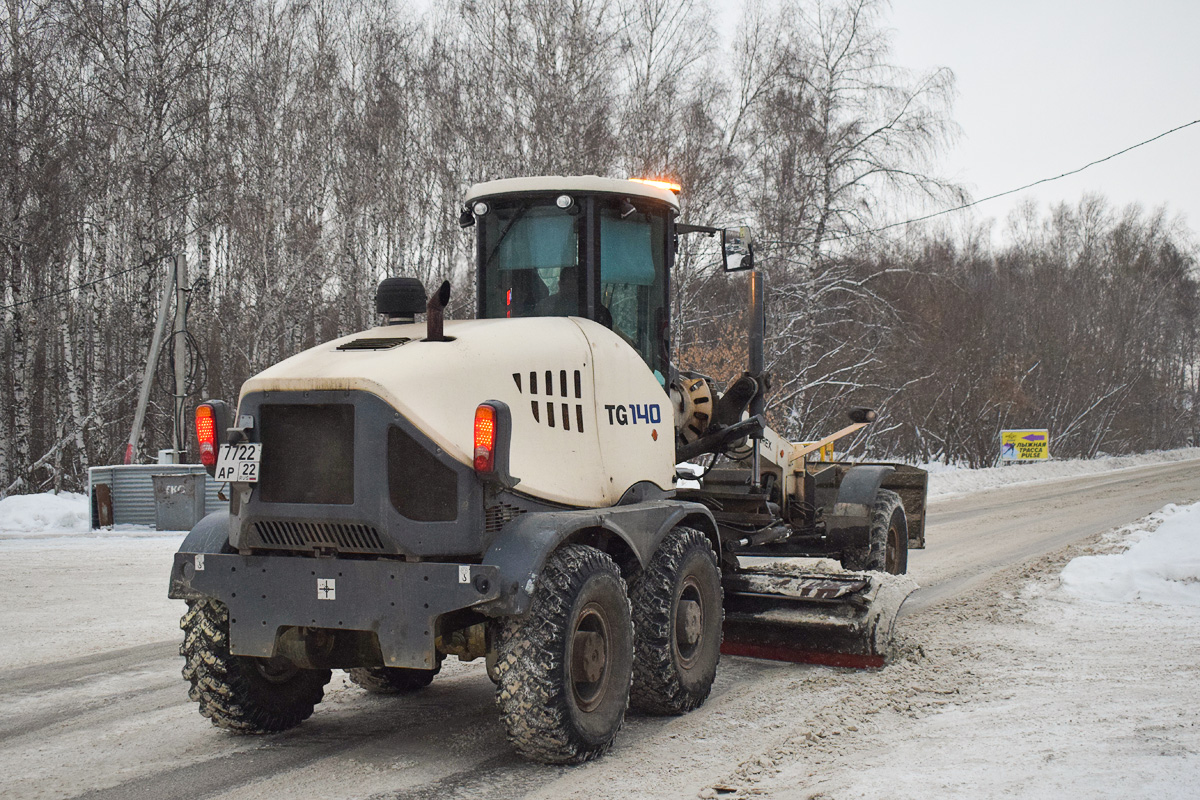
[[516, 218]]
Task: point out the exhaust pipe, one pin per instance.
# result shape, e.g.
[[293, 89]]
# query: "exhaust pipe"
[[434, 313]]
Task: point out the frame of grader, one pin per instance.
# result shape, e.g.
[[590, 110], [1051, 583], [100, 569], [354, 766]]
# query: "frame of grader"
[[510, 488]]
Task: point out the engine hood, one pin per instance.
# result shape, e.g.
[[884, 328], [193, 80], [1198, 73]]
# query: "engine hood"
[[589, 418]]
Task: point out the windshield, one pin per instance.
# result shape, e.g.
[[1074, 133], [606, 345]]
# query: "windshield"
[[534, 263], [531, 262]]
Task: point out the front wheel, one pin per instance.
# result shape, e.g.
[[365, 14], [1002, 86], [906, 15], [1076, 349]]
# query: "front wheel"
[[677, 615], [240, 693], [564, 668], [887, 548]]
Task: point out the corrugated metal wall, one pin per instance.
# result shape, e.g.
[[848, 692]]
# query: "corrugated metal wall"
[[132, 489]]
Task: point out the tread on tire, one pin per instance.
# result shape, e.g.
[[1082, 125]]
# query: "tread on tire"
[[671, 675], [551, 712], [240, 693], [887, 549]]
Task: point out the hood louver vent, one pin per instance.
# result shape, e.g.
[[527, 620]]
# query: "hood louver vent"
[[567, 385], [373, 344]]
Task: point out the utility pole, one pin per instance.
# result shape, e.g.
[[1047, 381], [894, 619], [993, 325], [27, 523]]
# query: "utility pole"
[[181, 289], [148, 375]]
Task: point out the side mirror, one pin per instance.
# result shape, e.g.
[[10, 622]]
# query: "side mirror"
[[737, 249]]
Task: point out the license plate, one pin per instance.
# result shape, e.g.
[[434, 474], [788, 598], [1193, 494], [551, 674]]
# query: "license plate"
[[239, 462]]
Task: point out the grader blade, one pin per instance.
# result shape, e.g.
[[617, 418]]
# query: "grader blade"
[[839, 620]]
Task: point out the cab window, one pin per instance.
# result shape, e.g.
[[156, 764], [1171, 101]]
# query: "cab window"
[[633, 279], [532, 263]]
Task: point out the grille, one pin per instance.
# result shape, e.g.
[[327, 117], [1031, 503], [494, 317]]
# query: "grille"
[[419, 486], [342, 535], [497, 516], [307, 454], [373, 344]]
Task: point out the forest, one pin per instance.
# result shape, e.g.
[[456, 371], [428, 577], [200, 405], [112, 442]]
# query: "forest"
[[299, 151]]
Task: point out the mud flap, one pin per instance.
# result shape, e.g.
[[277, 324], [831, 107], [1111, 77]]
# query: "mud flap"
[[835, 619]]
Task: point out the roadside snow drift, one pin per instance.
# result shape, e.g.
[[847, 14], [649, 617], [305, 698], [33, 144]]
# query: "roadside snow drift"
[[1159, 567], [947, 480], [38, 514]]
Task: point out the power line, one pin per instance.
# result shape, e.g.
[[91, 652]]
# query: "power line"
[[881, 228], [77, 287], [14, 240], [1007, 191]]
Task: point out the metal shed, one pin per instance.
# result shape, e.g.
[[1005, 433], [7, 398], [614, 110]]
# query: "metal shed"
[[131, 488]]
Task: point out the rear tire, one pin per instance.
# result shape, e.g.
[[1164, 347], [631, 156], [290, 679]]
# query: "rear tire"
[[677, 616], [239, 693], [392, 680], [887, 549], [565, 667]]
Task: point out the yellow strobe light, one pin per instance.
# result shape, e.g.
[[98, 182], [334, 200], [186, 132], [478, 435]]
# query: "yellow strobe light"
[[674, 187]]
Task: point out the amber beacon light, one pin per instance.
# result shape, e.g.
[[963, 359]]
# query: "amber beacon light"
[[670, 185]]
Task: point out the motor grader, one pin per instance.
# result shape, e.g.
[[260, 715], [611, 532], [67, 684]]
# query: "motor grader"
[[508, 488]]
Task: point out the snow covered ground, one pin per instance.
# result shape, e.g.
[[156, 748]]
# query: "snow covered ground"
[[1076, 676], [1085, 682], [117, 595]]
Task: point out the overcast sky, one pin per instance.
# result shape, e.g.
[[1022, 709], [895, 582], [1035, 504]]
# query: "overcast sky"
[[1046, 86]]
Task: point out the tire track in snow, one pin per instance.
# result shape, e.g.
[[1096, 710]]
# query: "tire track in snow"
[[58, 675], [43, 722], [448, 737]]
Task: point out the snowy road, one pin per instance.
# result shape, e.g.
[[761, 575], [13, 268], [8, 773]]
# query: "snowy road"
[[94, 705], [973, 536]]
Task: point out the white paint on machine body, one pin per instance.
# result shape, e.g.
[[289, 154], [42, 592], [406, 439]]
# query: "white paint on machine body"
[[594, 378]]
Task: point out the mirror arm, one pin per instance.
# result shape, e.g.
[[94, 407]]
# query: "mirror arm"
[[681, 228]]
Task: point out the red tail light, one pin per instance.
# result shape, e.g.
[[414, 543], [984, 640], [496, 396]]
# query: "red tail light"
[[485, 438], [206, 434]]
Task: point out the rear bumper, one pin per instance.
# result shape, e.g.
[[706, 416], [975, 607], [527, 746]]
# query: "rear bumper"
[[397, 601]]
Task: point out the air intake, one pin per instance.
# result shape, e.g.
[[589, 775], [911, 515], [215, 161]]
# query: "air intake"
[[497, 516], [345, 537]]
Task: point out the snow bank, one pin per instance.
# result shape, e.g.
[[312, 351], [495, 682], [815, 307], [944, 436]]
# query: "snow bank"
[[1160, 566], [1080, 687], [945, 480], [25, 514]]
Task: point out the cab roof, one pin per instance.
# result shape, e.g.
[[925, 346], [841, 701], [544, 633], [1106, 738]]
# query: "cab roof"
[[587, 184]]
